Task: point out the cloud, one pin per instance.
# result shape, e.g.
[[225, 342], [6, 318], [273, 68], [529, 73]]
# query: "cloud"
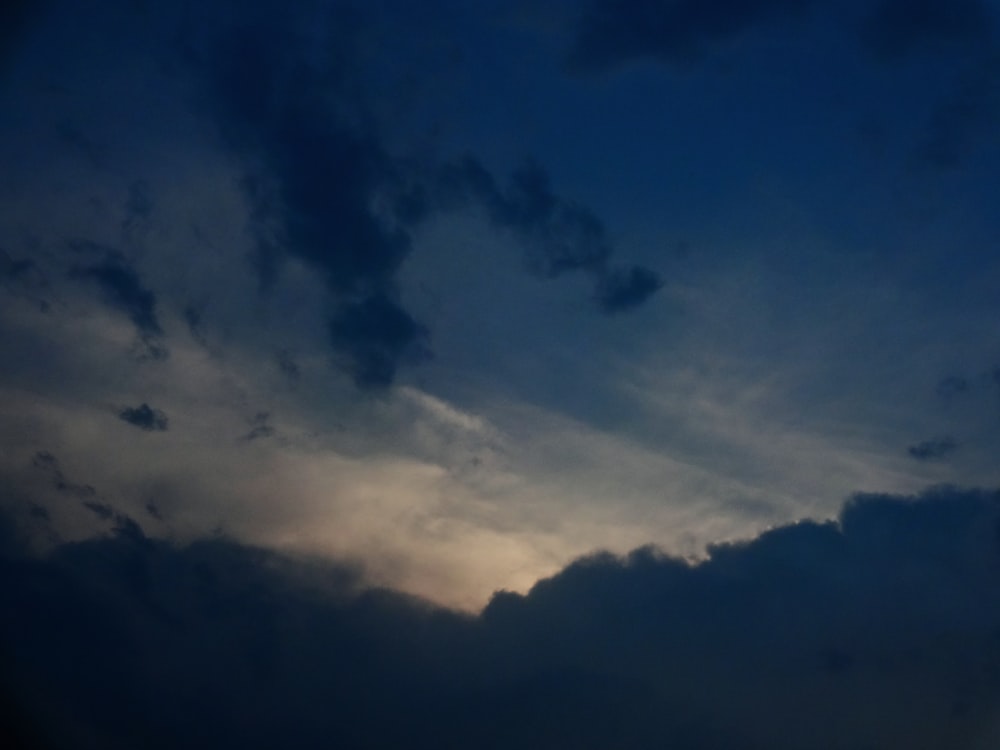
[[122, 289], [896, 28], [144, 417], [845, 625], [376, 333], [260, 427], [619, 289], [560, 236], [48, 464], [674, 32], [933, 450], [288, 101]]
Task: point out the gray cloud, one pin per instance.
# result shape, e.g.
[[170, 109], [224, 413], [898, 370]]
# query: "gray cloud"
[[144, 417], [843, 626], [933, 450]]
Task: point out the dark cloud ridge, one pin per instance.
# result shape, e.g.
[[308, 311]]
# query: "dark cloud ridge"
[[144, 417], [814, 635]]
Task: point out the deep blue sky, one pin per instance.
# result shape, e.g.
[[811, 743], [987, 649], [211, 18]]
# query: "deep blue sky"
[[447, 295]]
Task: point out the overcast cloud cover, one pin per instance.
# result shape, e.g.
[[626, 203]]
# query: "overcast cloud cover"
[[601, 374]]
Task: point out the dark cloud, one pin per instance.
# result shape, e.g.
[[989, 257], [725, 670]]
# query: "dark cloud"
[[622, 289], [292, 98], [292, 108], [900, 27], [819, 635], [144, 417], [377, 334], [261, 427], [560, 236], [611, 32], [102, 510], [49, 465], [933, 450], [122, 290]]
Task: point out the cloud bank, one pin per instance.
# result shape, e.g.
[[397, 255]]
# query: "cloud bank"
[[878, 629]]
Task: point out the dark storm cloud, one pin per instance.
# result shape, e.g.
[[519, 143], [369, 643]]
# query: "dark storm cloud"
[[933, 450], [673, 31], [144, 417], [818, 635], [622, 289], [900, 27], [291, 108], [377, 334], [122, 290], [560, 236]]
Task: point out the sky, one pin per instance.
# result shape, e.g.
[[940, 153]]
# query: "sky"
[[503, 373]]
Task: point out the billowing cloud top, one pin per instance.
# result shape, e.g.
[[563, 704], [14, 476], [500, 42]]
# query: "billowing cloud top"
[[819, 635]]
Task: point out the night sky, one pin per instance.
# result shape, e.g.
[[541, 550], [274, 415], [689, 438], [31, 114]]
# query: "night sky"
[[500, 374]]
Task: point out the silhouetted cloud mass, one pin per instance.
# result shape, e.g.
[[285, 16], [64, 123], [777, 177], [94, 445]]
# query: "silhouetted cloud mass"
[[933, 450], [815, 635], [144, 417]]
